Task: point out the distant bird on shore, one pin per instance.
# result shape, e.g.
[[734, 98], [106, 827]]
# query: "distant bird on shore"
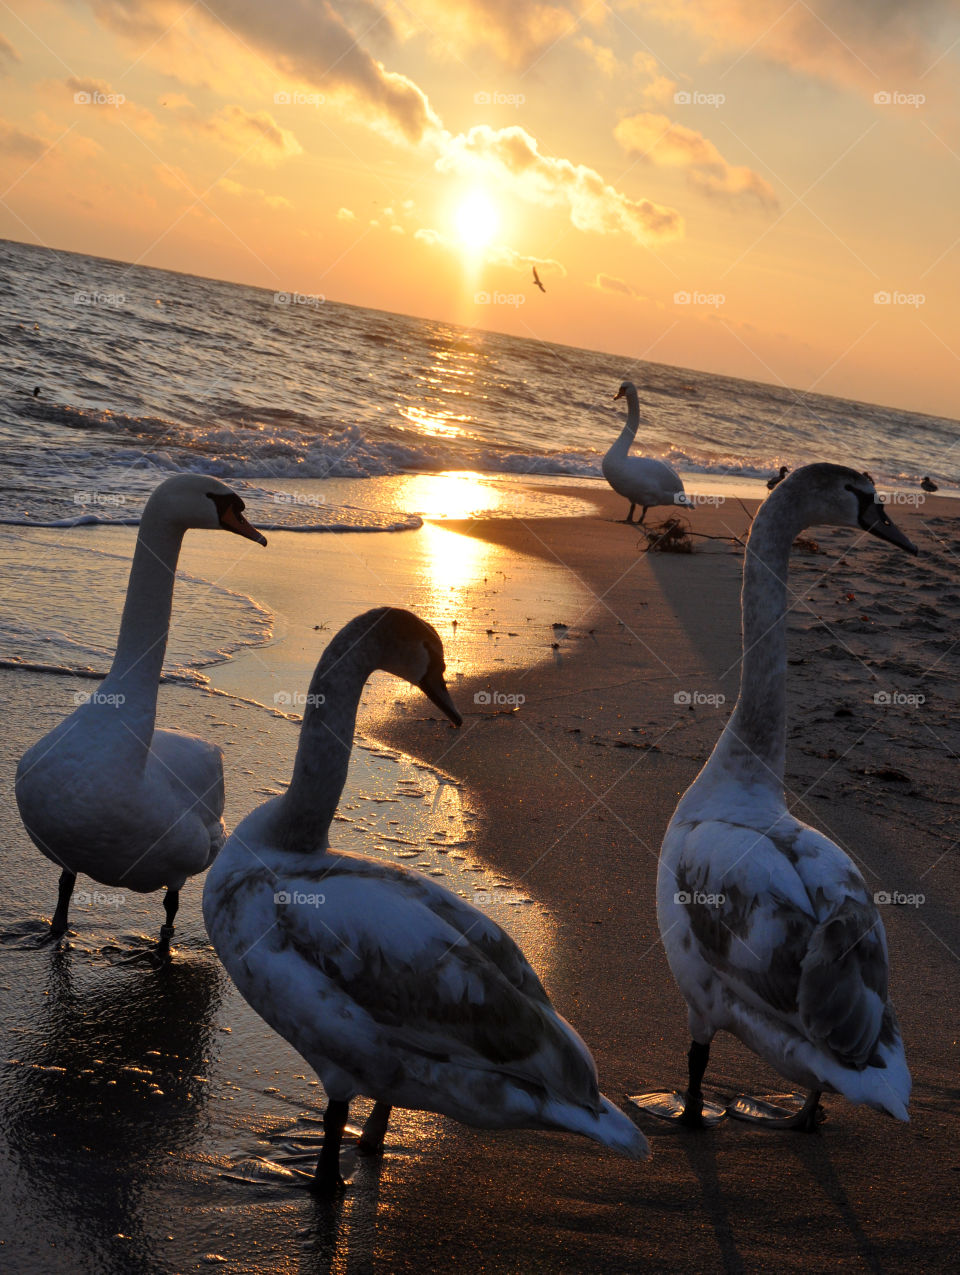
[[536, 280], [770, 930], [640, 479], [777, 478], [389, 985], [107, 794], [929, 485]]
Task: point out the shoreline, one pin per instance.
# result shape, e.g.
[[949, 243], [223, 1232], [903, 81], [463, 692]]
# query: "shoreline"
[[571, 790], [560, 782]]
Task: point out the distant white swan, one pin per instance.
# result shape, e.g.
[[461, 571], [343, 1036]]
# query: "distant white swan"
[[389, 985], [105, 793], [769, 928], [640, 479]]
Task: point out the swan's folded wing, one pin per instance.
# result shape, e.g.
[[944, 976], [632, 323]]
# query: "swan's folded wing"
[[492, 941], [194, 768], [842, 996], [426, 987], [790, 930]]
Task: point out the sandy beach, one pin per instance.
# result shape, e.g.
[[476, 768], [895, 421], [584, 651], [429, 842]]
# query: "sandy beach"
[[593, 680]]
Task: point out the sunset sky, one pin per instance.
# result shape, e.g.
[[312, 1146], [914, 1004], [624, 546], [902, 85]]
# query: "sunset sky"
[[719, 184]]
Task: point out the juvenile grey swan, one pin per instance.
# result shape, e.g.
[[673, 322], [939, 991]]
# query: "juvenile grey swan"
[[390, 986], [769, 928]]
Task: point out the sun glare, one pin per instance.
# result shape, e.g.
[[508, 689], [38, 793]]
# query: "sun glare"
[[477, 220]]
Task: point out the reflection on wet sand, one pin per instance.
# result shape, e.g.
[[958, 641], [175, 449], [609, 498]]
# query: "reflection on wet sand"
[[105, 1079]]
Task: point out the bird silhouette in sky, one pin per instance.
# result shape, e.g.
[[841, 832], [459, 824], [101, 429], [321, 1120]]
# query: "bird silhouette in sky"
[[536, 280]]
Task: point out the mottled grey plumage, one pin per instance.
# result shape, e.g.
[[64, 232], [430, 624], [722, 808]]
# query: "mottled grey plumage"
[[768, 925], [391, 986]]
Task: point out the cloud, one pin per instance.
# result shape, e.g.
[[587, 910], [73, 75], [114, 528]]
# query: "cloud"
[[97, 95], [302, 40], [254, 193], [659, 92], [512, 157], [517, 31], [256, 129], [495, 254], [255, 134], [14, 141], [604, 59], [610, 283], [344, 214], [8, 54], [658, 140], [856, 42], [501, 255]]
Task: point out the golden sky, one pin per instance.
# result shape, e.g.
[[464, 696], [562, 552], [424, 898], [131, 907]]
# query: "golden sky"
[[755, 187]]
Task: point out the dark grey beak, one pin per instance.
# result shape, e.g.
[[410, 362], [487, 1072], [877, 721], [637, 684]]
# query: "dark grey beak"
[[435, 689], [873, 518]]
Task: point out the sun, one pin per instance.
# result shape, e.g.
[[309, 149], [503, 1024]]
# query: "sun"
[[477, 220]]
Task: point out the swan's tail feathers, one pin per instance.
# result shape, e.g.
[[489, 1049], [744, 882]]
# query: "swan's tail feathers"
[[609, 1126], [884, 1085], [888, 1088]]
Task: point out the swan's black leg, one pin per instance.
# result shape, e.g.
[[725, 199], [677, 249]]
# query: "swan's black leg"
[[327, 1180], [171, 901], [629, 518], [642, 516], [58, 925], [688, 1108], [375, 1130], [697, 1058], [810, 1114]]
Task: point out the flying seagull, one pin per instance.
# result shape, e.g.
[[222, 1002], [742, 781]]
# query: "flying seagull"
[[536, 280]]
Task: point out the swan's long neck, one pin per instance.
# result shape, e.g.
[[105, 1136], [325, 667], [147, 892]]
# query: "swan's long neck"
[[145, 624], [753, 744], [629, 432], [326, 739]]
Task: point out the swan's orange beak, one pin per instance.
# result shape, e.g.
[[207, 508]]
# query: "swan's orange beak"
[[619, 394], [234, 521]]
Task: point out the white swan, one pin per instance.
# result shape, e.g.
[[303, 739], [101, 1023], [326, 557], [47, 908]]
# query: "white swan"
[[769, 928], [387, 984], [105, 793], [640, 479]]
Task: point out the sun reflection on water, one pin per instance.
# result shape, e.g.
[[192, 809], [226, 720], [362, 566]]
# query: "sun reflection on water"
[[452, 563]]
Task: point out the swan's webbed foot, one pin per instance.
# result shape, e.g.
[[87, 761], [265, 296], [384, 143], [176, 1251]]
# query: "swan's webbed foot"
[[691, 1110], [771, 1115], [158, 956], [327, 1185]]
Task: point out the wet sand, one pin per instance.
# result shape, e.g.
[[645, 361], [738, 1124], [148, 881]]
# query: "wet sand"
[[583, 779], [572, 789]]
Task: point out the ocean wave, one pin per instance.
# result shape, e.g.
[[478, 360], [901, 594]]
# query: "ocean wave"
[[56, 604], [368, 521]]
